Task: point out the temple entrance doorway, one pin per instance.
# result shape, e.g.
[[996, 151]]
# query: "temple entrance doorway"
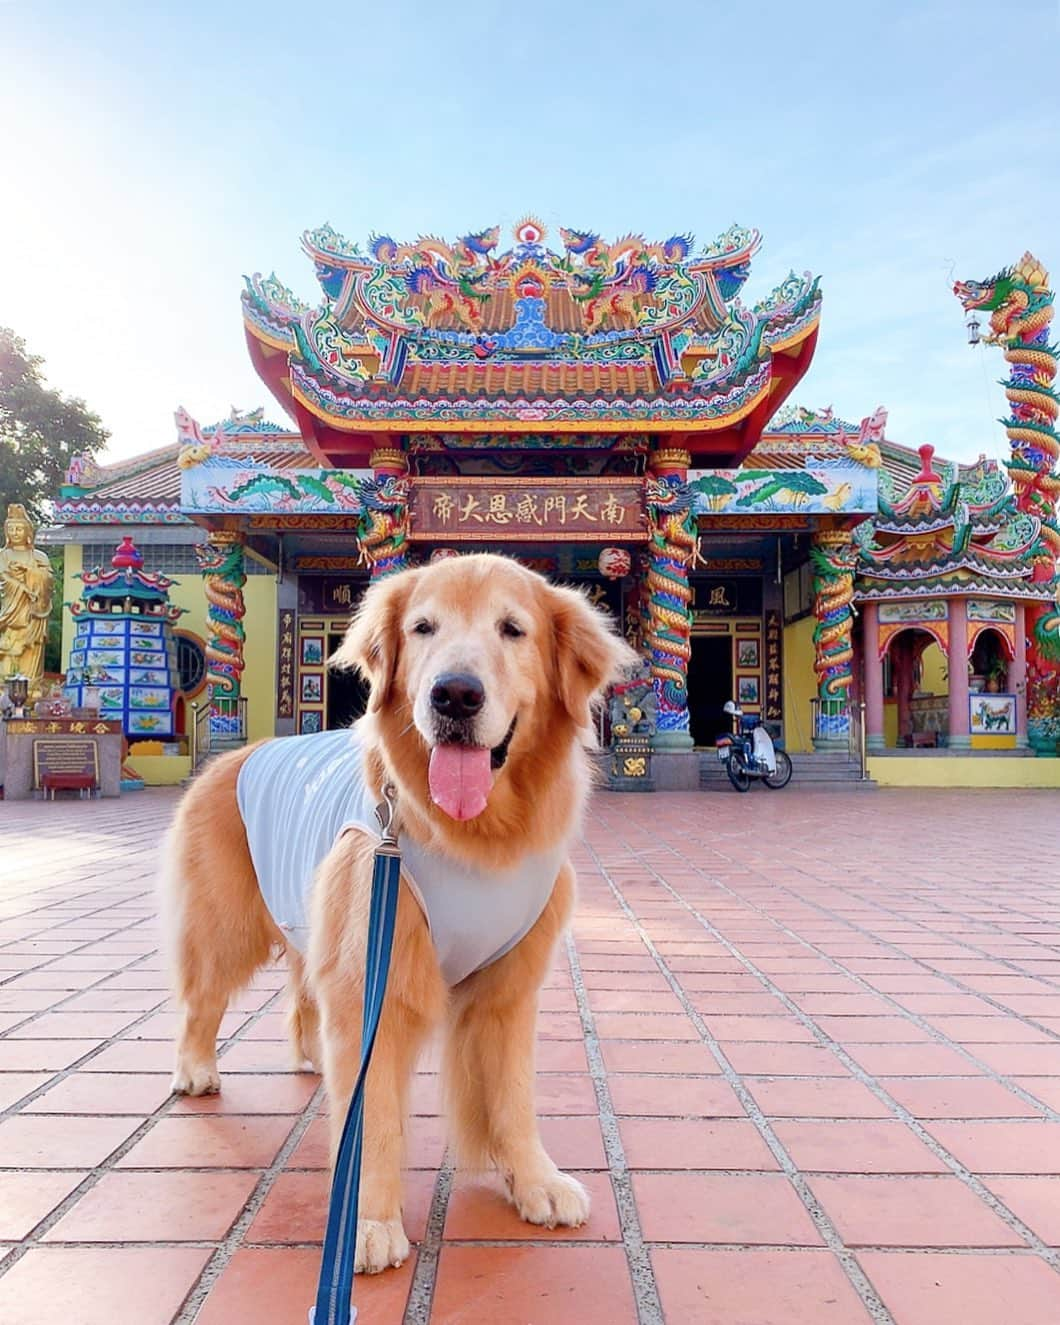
[[710, 684], [347, 693]]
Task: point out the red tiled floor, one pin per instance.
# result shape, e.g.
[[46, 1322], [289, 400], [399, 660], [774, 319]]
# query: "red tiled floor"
[[866, 948], [478, 1210], [259, 1284], [756, 1287], [971, 1289], [666, 1143], [224, 1141], [721, 1207], [1023, 1147], [910, 1212], [516, 1285], [156, 1207], [36, 1142], [63, 1285], [26, 1198], [1034, 1200]]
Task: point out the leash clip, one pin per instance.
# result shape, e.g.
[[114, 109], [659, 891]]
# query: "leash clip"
[[386, 812]]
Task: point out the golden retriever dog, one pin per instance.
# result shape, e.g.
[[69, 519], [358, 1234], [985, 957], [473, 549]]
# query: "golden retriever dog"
[[482, 680]]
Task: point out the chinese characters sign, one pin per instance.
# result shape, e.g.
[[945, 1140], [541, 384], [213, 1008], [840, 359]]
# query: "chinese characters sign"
[[285, 666], [599, 510], [773, 707]]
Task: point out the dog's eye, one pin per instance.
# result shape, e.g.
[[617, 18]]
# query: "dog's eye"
[[510, 630], [424, 628]]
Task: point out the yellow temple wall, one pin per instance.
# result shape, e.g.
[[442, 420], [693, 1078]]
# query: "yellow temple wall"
[[925, 770], [800, 685]]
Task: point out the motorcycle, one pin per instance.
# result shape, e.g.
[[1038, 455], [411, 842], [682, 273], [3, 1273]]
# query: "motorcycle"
[[750, 753]]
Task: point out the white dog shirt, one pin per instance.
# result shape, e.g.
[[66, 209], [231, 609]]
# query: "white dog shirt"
[[298, 794]]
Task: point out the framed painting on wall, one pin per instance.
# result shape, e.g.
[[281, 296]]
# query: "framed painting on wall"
[[312, 650], [747, 653], [310, 721], [312, 688], [992, 715], [748, 690]]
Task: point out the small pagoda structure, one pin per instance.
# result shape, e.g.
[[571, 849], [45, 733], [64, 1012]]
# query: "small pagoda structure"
[[124, 650], [951, 561]]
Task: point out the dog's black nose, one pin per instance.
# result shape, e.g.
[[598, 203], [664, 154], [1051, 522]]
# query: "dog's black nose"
[[457, 695]]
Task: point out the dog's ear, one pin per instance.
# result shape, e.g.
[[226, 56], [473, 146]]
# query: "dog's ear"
[[373, 638], [588, 654]]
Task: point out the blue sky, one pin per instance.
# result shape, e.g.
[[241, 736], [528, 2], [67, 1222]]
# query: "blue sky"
[[149, 159]]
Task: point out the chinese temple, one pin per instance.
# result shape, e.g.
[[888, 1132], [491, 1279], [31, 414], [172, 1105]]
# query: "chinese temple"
[[613, 414]]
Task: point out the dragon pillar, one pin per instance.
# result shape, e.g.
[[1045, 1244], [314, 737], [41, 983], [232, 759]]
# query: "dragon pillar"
[[833, 557], [672, 546], [383, 532], [221, 563], [1020, 305]]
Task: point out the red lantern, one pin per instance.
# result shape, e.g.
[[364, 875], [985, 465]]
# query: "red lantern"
[[614, 563]]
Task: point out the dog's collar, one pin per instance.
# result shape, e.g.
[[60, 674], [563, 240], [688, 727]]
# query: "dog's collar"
[[499, 753]]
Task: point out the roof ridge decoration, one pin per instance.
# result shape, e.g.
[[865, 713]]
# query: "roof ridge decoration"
[[946, 535], [587, 333]]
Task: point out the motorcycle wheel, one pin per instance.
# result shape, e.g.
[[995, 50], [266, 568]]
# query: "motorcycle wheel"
[[738, 775], [782, 776]]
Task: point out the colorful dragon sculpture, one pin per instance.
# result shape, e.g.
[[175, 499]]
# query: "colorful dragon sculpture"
[[221, 562], [382, 533], [1020, 304], [672, 546], [834, 558]]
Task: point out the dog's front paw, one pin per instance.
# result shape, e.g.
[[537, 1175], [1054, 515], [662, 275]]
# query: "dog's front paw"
[[197, 1079], [380, 1244], [556, 1199]]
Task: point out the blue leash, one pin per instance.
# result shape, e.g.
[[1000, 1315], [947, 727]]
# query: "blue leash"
[[340, 1241]]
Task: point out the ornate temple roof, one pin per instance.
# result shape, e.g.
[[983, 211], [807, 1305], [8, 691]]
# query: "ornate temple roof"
[[597, 337], [950, 532]]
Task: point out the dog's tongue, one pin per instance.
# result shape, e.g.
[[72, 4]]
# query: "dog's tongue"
[[460, 779]]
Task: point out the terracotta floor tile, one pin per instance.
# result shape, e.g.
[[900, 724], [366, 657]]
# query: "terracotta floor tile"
[[650, 1026], [246, 1094], [141, 1056], [1028, 1060], [517, 1285], [73, 1026], [974, 1097], [910, 1212], [717, 1207], [755, 1288], [659, 1143], [163, 1207], [574, 1143], [101, 1092], [643, 1056], [33, 1141], [41, 1055], [674, 1097], [857, 1147], [25, 1199], [14, 1086], [922, 1289], [825, 1098], [257, 1284], [1034, 1200], [634, 1000], [425, 1145], [296, 1207], [765, 1060], [99, 1286], [911, 1060], [478, 1210], [1022, 1147], [224, 1141]]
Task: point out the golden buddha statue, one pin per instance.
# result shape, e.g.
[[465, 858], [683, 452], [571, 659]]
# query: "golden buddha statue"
[[26, 586]]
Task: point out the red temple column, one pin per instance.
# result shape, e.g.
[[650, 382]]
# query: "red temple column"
[[1018, 676], [960, 730], [870, 637]]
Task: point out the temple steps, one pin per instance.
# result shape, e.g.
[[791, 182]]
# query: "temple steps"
[[823, 772]]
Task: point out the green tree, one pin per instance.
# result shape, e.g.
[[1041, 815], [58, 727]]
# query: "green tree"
[[40, 430]]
